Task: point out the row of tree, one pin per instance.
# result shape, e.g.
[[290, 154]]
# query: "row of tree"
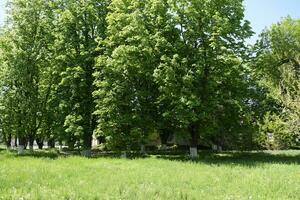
[[128, 69]]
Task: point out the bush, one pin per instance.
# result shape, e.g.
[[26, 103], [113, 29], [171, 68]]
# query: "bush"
[[275, 132]]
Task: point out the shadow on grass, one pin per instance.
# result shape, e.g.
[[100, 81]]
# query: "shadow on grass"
[[216, 158], [54, 154], [205, 157], [237, 158], [116, 155], [40, 154]]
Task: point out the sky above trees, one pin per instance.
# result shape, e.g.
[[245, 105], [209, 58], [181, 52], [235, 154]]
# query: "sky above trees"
[[2, 10], [263, 13], [260, 13]]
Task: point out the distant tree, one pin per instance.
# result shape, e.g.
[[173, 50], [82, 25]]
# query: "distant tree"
[[278, 70], [27, 62], [7, 91]]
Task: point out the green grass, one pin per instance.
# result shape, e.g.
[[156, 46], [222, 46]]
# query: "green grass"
[[260, 175]]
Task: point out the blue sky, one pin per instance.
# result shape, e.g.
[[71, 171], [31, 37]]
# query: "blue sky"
[[2, 10], [260, 13]]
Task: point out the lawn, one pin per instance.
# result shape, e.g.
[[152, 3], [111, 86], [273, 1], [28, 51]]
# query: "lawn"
[[231, 175]]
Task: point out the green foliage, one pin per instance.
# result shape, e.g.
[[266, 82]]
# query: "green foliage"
[[162, 68], [79, 25], [25, 64], [127, 93], [126, 69], [49, 49], [274, 133], [205, 76], [278, 71]]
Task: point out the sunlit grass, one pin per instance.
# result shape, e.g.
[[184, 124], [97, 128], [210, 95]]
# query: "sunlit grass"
[[214, 176]]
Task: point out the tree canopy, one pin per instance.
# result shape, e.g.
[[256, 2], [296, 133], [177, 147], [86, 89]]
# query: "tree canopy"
[[133, 72]]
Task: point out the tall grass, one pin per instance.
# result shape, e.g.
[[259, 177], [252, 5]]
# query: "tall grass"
[[213, 176]]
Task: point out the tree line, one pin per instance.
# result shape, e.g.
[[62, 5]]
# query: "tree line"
[[126, 70]]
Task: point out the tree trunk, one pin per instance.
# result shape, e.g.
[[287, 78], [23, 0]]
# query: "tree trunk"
[[22, 145], [89, 119], [71, 144], [51, 143], [40, 142], [60, 146], [87, 141], [143, 151], [87, 144], [16, 142], [194, 141], [164, 136], [8, 141], [31, 142]]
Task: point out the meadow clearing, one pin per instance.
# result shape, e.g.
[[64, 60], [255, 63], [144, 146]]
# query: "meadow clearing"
[[226, 175]]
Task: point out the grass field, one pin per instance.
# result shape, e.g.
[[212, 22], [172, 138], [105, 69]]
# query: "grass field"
[[256, 175]]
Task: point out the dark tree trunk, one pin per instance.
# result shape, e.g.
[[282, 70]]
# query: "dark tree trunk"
[[71, 144], [51, 143], [87, 143], [16, 141], [164, 136], [89, 118], [88, 134], [194, 135], [40, 142], [31, 141], [87, 140], [22, 141], [8, 141], [193, 129], [26, 143], [22, 144]]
